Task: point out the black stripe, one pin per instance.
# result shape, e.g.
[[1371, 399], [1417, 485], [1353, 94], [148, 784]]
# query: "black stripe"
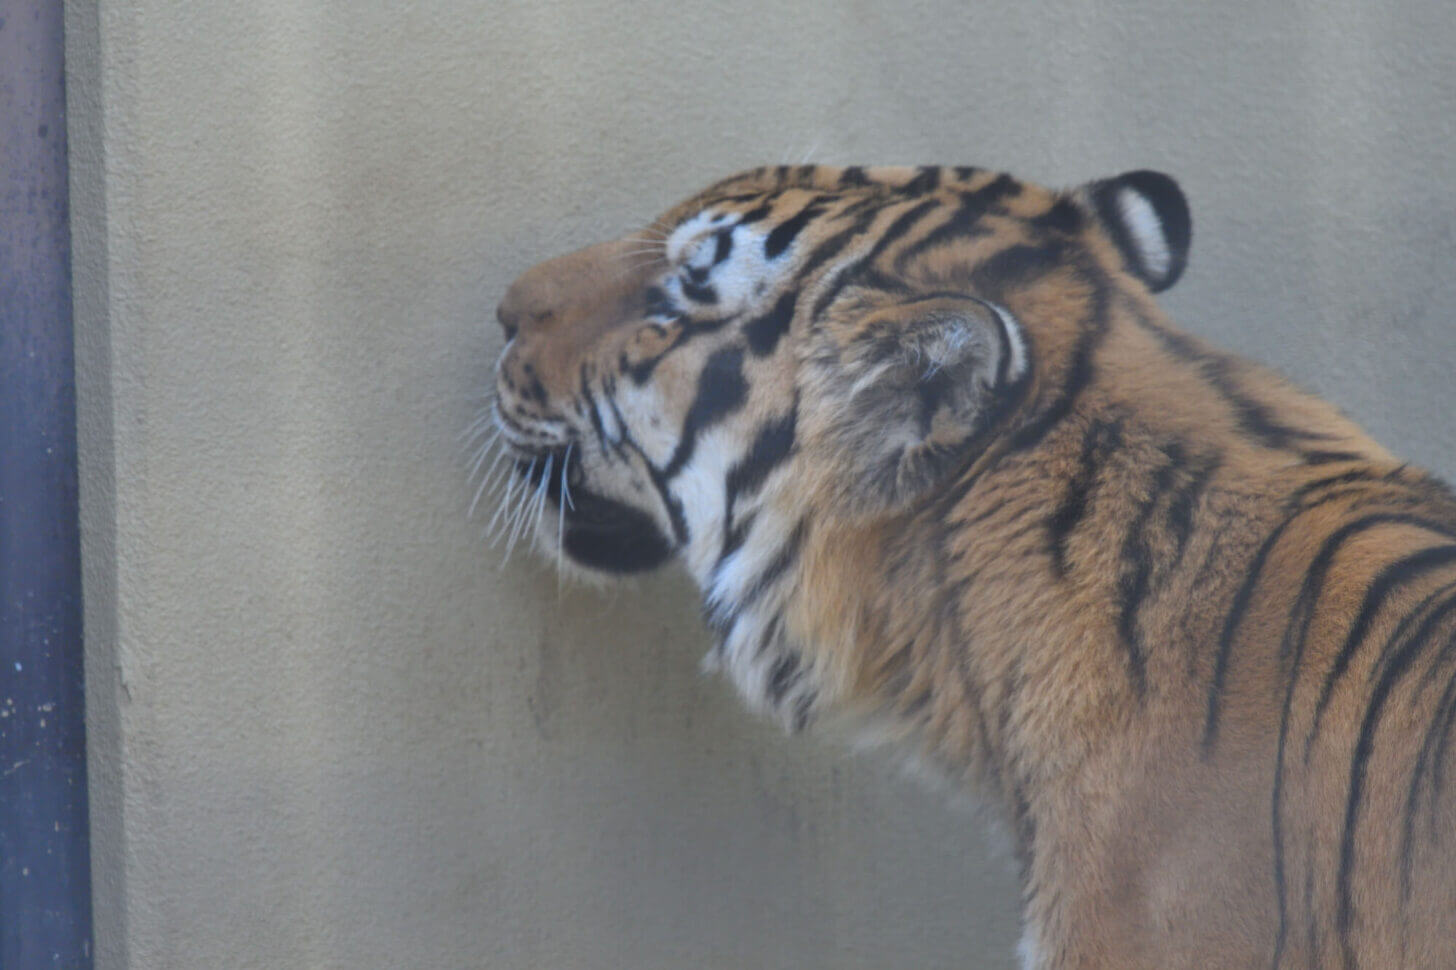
[[1182, 505], [783, 234], [1346, 478], [1302, 615], [888, 237], [757, 214], [1018, 265], [591, 411], [1098, 443], [872, 277], [785, 558], [927, 179], [963, 221], [508, 419], [1065, 216], [803, 709], [1092, 329], [865, 215], [771, 447], [1446, 714], [659, 481], [782, 676], [853, 175], [1330, 457], [770, 633], [1414, 616], [719, 619], [763, 332], [1292, 647], [657, 303], [699, 292], [725, 246], [1443, 712], [734, 535], [1254, 417], [1389, 578], [1239, 606], [735, 197], [722, 390], [1433, 756], [1400, 663], [1136, 566]]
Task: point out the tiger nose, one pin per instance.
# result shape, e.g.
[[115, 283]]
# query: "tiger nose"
[[531, 302], [511, 315], [507, 318], [599, 281]]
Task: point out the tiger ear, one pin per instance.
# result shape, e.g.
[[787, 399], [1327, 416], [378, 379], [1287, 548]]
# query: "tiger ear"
[[1146, 215], [901, 404]]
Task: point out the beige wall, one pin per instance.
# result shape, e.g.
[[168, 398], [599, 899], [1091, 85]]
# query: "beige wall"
[[326, 729]]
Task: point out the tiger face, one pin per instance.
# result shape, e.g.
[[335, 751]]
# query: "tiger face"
[[795, 346]]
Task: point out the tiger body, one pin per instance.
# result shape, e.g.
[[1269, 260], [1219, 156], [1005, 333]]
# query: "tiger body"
[[945, 471]]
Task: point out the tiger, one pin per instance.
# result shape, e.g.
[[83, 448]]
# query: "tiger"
[[943, 470]]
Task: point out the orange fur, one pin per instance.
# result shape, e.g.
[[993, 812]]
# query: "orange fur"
[[1179, 622]]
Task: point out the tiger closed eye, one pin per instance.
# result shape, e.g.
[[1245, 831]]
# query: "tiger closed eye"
[[699, 256]]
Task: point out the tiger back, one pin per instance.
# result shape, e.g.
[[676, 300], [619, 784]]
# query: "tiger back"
[[947, 476]]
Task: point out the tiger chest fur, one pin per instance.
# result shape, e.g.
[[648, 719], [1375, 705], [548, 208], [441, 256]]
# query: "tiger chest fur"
[[942, 468]]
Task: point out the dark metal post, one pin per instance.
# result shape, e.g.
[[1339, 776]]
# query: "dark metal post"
[[45, 880]]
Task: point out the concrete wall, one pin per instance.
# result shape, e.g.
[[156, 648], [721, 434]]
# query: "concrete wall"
[[327, 730]]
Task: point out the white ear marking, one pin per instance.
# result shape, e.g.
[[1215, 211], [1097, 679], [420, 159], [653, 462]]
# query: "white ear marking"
[[1146, 229], [1017, 365]]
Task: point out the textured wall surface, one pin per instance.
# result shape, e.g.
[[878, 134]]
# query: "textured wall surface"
[[327, 730]]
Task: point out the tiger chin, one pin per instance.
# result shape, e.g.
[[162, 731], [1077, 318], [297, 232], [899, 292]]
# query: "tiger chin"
[[938, 461]]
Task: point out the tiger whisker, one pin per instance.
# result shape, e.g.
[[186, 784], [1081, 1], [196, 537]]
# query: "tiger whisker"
[[502, 510], [521, 513], [492, 478], [561, 519], [637, 256], [484, 481], [473, 450], [482, 420], [530, 509], [819, 141], [657, 226], [485, 438], [566, 485], [523, 504], [482, 454]]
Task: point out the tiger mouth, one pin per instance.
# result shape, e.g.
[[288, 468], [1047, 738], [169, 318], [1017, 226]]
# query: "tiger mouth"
[[598, 532]]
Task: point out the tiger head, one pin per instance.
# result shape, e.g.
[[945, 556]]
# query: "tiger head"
[[804, 348]]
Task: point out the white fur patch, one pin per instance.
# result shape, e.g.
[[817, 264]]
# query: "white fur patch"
[[739, 279], [1146, 229], [689, 231], [731, 581], [699, 487]]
